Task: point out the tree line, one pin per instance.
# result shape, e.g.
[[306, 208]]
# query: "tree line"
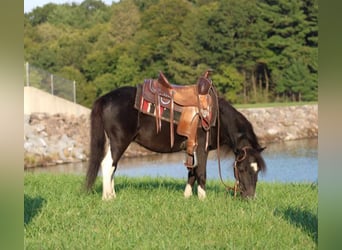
[[259, 50]]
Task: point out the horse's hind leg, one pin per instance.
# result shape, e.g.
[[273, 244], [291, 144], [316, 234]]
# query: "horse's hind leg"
[[108, 190], [109, 163]]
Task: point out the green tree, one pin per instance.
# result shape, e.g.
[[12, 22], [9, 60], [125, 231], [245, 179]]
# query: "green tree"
[[126, 71], [72, 50], [81, 16], [124, 22], [288, 29], [41, 15], [70, 72], [99, 62], [104, 83], [86, 94], [160, 29], [229, 82], [185, 62], [296, 82], [270, 43]]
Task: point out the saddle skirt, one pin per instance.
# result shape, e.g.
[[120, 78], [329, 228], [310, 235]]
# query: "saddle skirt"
[[189, 107], [150, 91]]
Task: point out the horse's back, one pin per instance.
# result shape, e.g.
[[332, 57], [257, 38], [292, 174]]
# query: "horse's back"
[[117, 99], [118, 96], [118, 109]]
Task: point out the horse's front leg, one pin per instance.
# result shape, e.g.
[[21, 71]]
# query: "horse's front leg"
[[190, 183], [198, 173], [201, 169], [108, 190], [201, 181]]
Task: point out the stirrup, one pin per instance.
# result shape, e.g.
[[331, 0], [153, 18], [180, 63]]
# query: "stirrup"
[[191, 161]]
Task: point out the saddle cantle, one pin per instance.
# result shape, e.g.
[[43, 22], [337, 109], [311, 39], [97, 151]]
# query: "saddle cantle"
[[190, 107]]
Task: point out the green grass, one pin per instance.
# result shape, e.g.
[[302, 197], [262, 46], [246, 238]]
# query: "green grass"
[[151, 213]]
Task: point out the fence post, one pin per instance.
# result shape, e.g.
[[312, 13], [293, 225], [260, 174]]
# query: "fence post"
[[74, 86], [27, 74], [51, 79]]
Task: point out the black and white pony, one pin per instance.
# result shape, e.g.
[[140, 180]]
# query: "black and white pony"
[[115, 120]]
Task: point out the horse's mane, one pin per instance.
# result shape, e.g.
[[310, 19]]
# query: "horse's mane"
[[237, 125]]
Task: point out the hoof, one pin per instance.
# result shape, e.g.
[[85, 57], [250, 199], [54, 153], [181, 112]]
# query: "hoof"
[[201, 193], [188, 191], [108, 197]]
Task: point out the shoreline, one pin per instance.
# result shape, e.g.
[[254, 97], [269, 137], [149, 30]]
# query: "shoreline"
[[61, 139]]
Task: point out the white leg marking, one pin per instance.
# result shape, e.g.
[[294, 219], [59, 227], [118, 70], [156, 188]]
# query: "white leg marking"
[[254, 166], [108, 191], [188, 191], [201, 193]]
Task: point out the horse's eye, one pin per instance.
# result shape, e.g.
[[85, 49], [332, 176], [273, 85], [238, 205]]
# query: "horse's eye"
[[241, 170]]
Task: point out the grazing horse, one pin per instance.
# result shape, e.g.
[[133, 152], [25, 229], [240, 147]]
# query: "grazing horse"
[[114, 118]]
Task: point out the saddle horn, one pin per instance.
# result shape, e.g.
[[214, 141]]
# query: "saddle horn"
[[208, 73], [204, 83], [163, 80]]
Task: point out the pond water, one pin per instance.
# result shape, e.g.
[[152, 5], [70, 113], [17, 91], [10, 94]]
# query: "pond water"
[[292, 161]]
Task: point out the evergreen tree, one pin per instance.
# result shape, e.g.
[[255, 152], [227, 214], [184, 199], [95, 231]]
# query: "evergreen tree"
[[271, 44], [287, 31], [229, 82]]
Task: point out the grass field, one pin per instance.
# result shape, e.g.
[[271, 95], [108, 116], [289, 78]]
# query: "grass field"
[[151, 213]]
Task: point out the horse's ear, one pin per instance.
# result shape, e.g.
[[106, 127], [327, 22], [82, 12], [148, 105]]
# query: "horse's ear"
[[239, 136], [261, 149]]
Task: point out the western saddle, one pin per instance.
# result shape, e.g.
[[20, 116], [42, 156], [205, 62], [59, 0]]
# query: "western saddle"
[[189, 106]]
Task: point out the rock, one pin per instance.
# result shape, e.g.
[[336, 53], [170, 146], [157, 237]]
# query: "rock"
[[39, 128], [59, 138], [284, 123]]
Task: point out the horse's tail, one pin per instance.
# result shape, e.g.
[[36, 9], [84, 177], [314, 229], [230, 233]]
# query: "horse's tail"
[[97, 143]]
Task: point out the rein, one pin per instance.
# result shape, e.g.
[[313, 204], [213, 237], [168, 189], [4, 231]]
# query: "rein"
[[236, 172], [219, 159], [237, 159]]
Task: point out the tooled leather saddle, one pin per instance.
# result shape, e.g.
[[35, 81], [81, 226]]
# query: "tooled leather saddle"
[[188, 106]]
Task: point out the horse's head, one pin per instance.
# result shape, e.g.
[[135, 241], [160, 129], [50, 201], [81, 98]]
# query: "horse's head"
[[248, 163]]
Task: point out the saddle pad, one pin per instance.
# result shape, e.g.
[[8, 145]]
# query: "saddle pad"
[[149, 94], [147, 107]]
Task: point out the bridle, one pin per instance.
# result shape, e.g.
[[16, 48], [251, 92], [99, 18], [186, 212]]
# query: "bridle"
[[238, 159]]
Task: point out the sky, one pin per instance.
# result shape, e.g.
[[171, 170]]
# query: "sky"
[[29, 5]]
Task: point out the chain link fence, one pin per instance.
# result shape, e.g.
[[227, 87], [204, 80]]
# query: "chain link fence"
[[50, 83]]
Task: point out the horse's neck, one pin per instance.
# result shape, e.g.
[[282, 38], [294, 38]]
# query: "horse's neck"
[[241, 143], [232, 121], [235, 140]]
